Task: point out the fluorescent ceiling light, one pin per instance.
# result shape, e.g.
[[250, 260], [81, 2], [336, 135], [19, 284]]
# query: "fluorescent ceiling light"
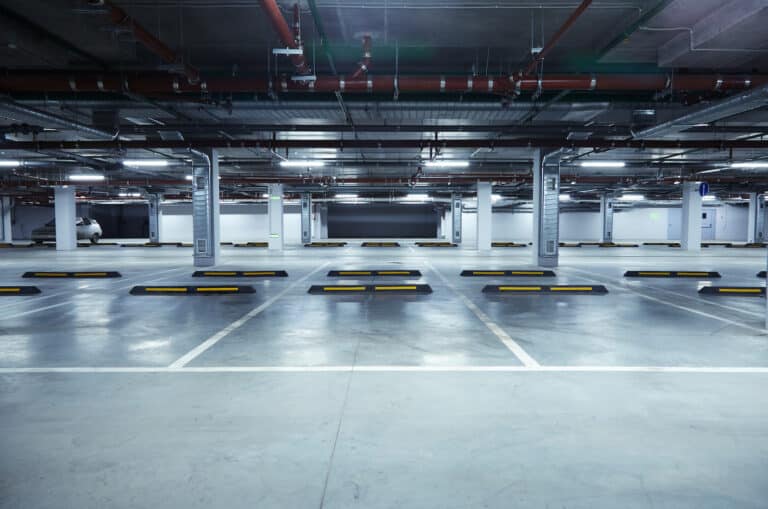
[[495, 197], [188, 177], [129, 195], [709, 197], [9, 164], [346, 196], [86, 178], [565, 197], [302, 163], [632, 197], [753, 164], [265, 195], [603, 164], [443, 163], [417, 197], [145, 163]]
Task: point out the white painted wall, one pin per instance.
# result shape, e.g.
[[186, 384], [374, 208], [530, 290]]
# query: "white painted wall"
[[640, 224], [732, 223], [512, 226], [580, 226], [239, 223]]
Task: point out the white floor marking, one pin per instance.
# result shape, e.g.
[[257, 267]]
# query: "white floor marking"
[[510, 343], [618, 285], [709, 302], [205, 345], [392, 369]]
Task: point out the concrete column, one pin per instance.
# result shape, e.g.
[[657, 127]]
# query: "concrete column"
[[155, 217], [306, 218], [6, 226], [205, 209], [275, 213], [456, 218], [323, 211], [756, 227], [606, 218], [65, 212], [546, 210], [691, 217], [484, 231]]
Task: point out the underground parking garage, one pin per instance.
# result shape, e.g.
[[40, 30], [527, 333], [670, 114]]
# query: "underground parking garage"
[[332, 253]]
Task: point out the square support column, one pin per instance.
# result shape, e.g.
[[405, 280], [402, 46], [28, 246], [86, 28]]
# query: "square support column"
[[484, 227], [65, 212], [6, 225], [546, 210], [756, 225], [691, 217], [606, 218], [205, 209], [456, 218], [306, 218], [155, 217], [275, 217]]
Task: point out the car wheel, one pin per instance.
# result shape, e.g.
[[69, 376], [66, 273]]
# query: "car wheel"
[[95, 238]]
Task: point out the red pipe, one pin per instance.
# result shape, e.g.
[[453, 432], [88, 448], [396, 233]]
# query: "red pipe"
[[162, 83], [285, 34], [551, 43], [121, 18], [366, 63]]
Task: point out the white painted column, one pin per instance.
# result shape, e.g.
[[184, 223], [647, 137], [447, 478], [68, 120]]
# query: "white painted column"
[[484, 210], [690, 229], [306, 218], [275, 213], [755, 228], [66, 214], [6, 226]]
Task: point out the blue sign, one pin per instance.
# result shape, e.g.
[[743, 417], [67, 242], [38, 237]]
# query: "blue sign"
[[703, 189]]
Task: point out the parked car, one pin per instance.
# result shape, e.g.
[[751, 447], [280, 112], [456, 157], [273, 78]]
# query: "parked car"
[[87, 228]]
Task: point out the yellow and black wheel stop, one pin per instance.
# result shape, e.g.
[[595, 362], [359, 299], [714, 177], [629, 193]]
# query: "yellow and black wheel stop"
[[12, 291], [546, 289], [345, 289], [240, 273], [81, 274], [507, 273]]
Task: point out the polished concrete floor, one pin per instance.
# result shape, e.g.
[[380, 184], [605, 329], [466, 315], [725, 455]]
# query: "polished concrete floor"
[[650, 396]]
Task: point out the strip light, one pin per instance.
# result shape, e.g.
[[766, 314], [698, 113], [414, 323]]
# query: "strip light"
[[603, 164], [446, 164], [632, 197], [86, 178], [302, 164], [9, 164], [417, 197], [565, 197], [345, 196], [145, 163], [753, 164]]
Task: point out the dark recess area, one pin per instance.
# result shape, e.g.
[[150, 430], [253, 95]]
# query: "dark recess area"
[[382, 220]]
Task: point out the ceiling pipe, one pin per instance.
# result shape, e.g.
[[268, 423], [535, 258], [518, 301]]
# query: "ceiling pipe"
[[556, 37], [121, 18], [154, 84], [286, 35], [365, 64], [340, 144]]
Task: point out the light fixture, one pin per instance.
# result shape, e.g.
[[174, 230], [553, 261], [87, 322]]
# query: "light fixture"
[[632, 197], [676, 182], [129, 195], [416, 197], [86, 178], [188, 177], [145, 163], [443, 163], [565, 197], [265, 195], [346, 196], [752, 164], [306, 163], [709, 197], [9, 164], [495, 197], [603, 164]]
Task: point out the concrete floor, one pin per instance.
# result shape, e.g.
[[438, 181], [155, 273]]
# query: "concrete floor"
[[651, 396]]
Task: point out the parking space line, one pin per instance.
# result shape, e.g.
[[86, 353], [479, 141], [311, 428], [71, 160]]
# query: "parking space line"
[[616, 284], [497, 331], [734, 370], [208, 343]]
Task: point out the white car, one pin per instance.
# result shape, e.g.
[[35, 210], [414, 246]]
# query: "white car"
[[87, 228]]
